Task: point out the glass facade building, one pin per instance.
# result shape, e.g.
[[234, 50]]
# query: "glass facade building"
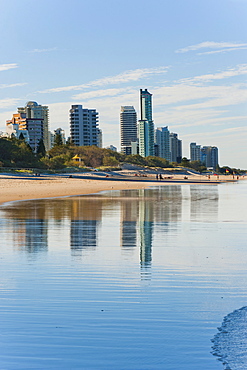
[[146, 125]]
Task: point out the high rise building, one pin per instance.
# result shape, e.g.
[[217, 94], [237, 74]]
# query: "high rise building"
[[209, 156], [162, 139], [176, 148], [146, 125], [214, 157], [30, 128], [34, 111], [206, 154], [83, 126], [195, 152], [128, 128]]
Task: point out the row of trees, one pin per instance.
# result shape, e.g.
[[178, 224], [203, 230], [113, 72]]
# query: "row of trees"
[[17, 153]]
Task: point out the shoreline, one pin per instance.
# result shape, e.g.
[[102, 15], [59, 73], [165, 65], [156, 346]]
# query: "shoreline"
[[21, 187]]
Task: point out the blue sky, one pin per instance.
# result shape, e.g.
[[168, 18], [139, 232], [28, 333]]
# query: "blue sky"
[[191, 55]]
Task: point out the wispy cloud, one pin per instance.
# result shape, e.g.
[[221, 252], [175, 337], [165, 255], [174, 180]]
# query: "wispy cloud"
[[127, 76], [6, 103], [99, 93], [231, 72], [4, 86], [42, 50], [5, 67], [219, 47], [222, 51]]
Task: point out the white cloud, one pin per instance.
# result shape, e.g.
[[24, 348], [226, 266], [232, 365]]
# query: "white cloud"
[[5, 67], [124, 77], [42, 50], [231, 72], [4, 86], [224, 46], [98, 94], [222, 51], [5, 103]]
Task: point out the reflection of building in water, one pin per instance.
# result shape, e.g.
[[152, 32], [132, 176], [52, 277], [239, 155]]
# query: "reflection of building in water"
[[36, 235], [143, 208], [128, 224], [146, 217], [30, 226], [83, 234], [204, 202], [86, 215], [167, 204]]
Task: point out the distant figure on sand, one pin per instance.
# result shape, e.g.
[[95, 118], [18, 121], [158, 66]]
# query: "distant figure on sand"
[[161, 177]]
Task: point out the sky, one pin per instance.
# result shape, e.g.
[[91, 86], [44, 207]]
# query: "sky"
[[190, 54]]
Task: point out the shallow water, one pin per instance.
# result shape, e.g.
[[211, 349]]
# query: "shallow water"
[[135, 279]]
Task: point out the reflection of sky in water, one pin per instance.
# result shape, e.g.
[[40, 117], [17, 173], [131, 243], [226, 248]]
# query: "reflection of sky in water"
[[126, 279]]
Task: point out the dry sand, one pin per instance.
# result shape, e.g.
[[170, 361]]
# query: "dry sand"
[[19, 187]]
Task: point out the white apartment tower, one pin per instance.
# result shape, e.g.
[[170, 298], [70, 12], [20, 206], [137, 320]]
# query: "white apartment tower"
[[34, 111], [128, 128], [84, 126], [176, 148], [162, 139], [195, 152]]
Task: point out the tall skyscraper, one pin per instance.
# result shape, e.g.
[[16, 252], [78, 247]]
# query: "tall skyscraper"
[[162, 139], [195, 152], [128, 128], [146, 125], [34, 111], [176, 148], [83, 126]]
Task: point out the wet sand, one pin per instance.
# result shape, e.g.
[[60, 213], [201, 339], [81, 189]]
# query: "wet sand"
[[26, 187]]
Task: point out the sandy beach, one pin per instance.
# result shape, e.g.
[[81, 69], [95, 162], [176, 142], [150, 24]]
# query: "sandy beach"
[[25, 187]]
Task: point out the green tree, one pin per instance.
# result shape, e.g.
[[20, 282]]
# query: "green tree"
[[185, 162], [157, 162], [41, 148], [198, 166], [55, 163], [136, 159], [58, 141], [110, 161]]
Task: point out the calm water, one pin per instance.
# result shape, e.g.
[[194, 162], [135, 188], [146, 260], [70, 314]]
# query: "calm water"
[[137, 279]]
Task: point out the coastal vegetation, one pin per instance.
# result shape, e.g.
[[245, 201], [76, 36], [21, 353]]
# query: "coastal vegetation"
[[15, 153]]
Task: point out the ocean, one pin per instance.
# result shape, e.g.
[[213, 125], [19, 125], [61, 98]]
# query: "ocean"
[[126, 280]]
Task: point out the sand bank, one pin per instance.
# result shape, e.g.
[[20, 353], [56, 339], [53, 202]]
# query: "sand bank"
[[19, 187]]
